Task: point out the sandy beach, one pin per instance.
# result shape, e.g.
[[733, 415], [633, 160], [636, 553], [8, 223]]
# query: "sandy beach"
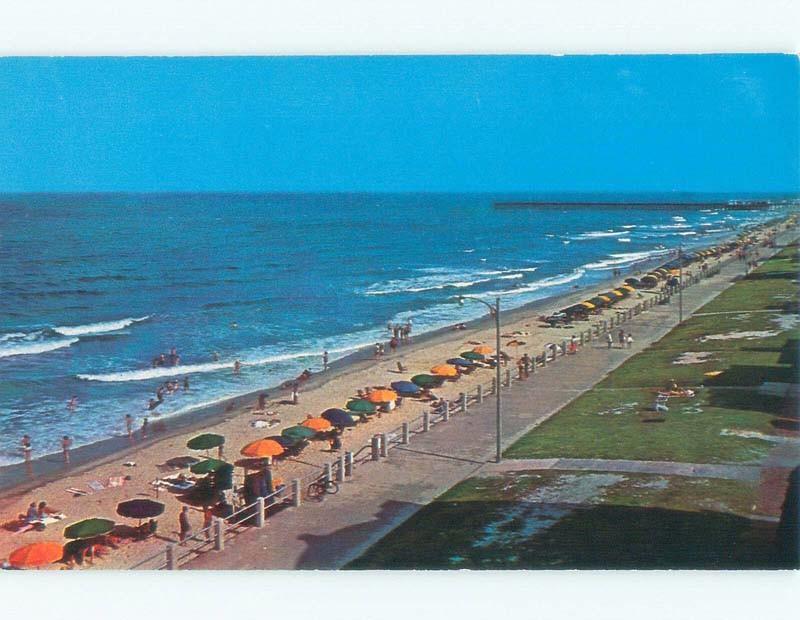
[[327, 389]]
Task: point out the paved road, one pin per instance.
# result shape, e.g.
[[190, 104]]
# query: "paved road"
[[383, 494]]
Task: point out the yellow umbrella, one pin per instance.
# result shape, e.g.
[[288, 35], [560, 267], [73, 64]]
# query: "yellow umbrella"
[[604, 298], [382, 396], [483, 349], [588, 305], [628, 288], [446, 370], [262, 448], [618, 294]]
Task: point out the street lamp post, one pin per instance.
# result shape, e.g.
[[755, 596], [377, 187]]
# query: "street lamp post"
[[680, 286], [495, 310]]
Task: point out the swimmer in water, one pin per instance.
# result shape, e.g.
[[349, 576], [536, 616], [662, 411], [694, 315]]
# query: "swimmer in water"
[[237, 366], [234, 325], [72, 403]]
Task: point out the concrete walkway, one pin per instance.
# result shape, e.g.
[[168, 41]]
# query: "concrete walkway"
[[383, 494], [747, 473]]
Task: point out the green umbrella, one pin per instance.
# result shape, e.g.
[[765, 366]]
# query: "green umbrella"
[[361, 406], [207, 467], [205, 442], [299, 432], [88, 528], [427, 381], [471, 355]]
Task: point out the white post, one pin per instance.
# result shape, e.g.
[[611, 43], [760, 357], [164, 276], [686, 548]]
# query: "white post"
[[446, 411], [463, 399], [544, 357], [406, 435], [426, 421], [296, 495], [582, 338], [384, 445], [260, 512], [376, 447], [494, 385], [508, 377], [480, 393], [219, 534], [340, 469], [563, 347], [348, 464], [170, 551], [328, 474]]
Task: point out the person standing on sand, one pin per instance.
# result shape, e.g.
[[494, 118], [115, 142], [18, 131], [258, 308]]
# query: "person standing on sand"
[[184, 525], [295, 393], [324, 360], [144, 428], [66, 444], [129, 425]]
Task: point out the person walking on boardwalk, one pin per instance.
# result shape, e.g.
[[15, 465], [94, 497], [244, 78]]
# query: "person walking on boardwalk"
[[621, 338], [609, 340], [629, 340]]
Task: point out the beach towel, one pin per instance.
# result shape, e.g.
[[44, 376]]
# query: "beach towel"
[[76, 491], [96, 485], [116, 481]]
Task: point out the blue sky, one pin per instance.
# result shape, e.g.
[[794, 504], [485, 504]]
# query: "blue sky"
[[724, 123]]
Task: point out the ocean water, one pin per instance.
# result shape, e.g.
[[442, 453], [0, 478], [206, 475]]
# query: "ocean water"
[[93, 287]]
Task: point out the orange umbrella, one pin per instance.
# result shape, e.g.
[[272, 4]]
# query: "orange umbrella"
[[382, 396], [36, 554], [446, 370], [483, 349], [317, 424], [262, 449]]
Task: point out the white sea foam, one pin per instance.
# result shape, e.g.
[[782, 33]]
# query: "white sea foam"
[[33, 348], [597, 234], [564, 278], [624, 239], [97, 328], [628, 226], [442, 279], [625, 259], [12, 336]]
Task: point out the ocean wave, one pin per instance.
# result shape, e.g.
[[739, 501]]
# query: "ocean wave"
[[97, 328], [445, 280], [597, 234], [563, 278], [626, 259], [628, 226], [624, 239], [34, 348]]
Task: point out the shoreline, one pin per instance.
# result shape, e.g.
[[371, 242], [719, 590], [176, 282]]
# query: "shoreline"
[[16, 479]]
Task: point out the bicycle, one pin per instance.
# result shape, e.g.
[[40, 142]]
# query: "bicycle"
[[319, 488]]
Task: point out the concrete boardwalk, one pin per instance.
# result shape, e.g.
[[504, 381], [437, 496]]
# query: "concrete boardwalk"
[[749, 473], [382, 494]]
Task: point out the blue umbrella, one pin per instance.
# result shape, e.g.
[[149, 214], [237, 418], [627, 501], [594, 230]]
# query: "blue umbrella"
[[338, 417], [406, 388], [460, 361]]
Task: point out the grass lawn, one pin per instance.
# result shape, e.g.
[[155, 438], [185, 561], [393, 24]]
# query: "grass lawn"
[[607, 421], [556, 519]]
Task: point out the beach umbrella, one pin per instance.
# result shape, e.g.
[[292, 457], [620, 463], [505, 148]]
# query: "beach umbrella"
[[338, 417], [182, 462], [205, 441], [588, 305], [317, 424], [298, 432], [483, 349], [444, 370], [286, 442], [628, 288], [262, 448], [427, 381], [405, 388], [88, 528], [209, 466], [618, 293], [382, 396], [360, 405], [460, 361], [606, 298], [36, 554], [140, 509], [472, 355]]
